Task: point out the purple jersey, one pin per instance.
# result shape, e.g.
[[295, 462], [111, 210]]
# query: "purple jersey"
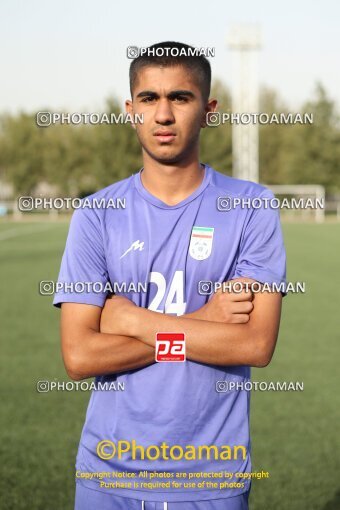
[[169, 250]]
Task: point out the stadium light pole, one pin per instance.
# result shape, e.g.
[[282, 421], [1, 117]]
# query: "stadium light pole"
[[245, 41]]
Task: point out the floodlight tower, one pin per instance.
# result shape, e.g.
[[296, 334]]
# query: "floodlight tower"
[[245, 41]]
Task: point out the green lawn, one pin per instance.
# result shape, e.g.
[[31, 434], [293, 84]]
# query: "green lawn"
[[295, 435]]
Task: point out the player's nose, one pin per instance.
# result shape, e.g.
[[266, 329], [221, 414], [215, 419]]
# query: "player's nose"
[[164, 113]]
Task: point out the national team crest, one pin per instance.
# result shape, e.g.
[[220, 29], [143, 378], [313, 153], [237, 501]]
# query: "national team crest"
[[201, 242]]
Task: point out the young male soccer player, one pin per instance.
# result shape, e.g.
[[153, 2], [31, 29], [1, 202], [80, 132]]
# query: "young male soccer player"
[[171, 235]]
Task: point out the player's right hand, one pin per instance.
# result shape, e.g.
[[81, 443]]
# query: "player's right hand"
[[228, 306]]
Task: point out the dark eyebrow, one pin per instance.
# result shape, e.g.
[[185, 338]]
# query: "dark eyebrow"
[[171, 95], [176, 93], [147, 93]]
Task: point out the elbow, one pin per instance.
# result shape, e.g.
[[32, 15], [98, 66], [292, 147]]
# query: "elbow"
[[262, 361], [264, 353], [74, 366], [75, 376]]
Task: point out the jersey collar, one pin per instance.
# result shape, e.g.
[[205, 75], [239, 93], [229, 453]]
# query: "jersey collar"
[[159, 203]]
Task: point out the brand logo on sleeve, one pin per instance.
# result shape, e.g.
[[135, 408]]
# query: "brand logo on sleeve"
[[201, 242], [170, 347]]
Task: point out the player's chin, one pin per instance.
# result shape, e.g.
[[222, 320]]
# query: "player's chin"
[[167, 155], [170, 159]]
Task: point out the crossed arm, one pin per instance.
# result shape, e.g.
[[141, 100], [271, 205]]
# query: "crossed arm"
[[231, 329]]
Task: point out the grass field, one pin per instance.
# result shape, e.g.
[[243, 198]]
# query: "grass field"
[[295, 435]]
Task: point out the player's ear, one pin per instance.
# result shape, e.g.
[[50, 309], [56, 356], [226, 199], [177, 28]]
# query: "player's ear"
[[129, 110], [210, 107]]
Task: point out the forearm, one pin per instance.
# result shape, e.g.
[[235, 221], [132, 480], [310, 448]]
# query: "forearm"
[[101, 353], [208, 342]]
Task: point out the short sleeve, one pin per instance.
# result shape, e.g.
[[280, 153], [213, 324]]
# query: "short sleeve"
[[83, 274], [262, 253]]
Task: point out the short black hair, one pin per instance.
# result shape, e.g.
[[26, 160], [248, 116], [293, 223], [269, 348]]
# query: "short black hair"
[[171, 54]]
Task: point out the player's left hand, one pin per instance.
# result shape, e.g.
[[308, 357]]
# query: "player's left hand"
[[229, 307]]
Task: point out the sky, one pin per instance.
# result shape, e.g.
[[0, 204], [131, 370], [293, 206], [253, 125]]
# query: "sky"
[[71, 55]]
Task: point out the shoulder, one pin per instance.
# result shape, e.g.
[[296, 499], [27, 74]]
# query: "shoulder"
[[230, 186]]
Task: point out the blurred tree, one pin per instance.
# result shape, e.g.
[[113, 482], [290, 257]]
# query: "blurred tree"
[[84, 158], [22, 149], [313, 151], [215, 148], [117, 153], [68, 159], [272, 139], [301, 153]]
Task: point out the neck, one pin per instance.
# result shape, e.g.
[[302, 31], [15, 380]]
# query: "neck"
[[171, 183]]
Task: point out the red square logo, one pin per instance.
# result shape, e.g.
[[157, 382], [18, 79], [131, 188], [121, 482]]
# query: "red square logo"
[[170, 347]]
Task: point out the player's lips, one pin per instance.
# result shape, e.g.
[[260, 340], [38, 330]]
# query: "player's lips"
[[164, 135]]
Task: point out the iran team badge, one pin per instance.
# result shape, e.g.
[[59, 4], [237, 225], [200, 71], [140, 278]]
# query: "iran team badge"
[[201, 242]]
